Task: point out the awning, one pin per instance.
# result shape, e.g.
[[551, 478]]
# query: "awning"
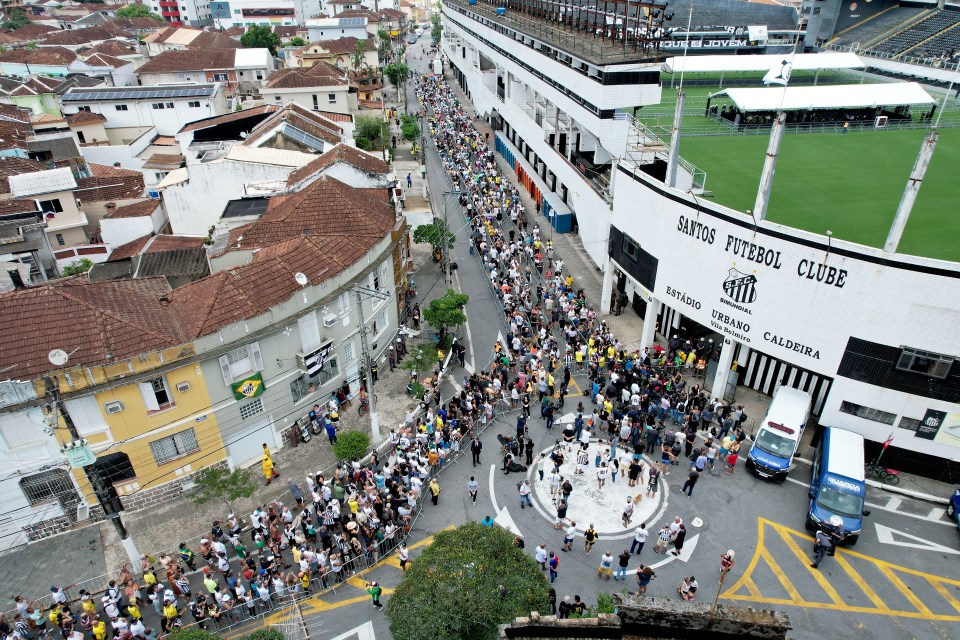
[[801, 61], [851, 96]]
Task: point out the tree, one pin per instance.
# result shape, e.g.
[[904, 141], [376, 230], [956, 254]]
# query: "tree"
[[357, 57], [446, 312], [217, 482], [409, 127], [383, 44], [490, 578], [397, 72], [77, 267], [263, 634], [17, 19], [261, 37], [138, 10], [437, 29], [433, 233], [371, 132], [296, 41], [351, 445]]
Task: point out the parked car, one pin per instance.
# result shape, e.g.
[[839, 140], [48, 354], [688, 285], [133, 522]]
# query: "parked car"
[[953, 508]]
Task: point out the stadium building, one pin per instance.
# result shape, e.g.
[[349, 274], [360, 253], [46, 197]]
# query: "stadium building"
[[871, 334]]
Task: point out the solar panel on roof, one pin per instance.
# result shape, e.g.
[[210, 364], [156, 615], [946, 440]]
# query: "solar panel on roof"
[[139, 94]]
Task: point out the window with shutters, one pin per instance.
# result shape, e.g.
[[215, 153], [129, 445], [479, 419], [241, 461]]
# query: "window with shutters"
[[175, 446], [86, 415], [343, 302], [156, 394], [241, 362], [309, 331], [348, 353]]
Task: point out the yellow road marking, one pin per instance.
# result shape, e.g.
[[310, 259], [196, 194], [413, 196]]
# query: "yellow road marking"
[[751, 587], [942, 590], [904, 589], [573, 390], [819, 577], [745, 589], [860, 582], [781, 576]]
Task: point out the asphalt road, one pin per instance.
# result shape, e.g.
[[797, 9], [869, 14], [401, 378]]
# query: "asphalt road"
[[901, 580]]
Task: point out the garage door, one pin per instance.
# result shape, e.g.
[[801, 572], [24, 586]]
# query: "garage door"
[[246, 447]]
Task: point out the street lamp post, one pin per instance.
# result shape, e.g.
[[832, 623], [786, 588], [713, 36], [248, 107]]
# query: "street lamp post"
[[446, 232], [368, 357]]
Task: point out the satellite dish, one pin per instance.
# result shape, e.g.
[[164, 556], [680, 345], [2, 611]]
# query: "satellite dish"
[[58, 357], [301, 279]]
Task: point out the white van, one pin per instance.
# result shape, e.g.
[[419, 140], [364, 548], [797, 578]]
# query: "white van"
[[779, 434]]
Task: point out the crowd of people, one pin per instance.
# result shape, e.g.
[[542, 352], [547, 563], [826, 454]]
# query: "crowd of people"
[[638, 400]]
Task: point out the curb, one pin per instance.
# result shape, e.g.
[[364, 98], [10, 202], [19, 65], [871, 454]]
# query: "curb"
[[919, 495]]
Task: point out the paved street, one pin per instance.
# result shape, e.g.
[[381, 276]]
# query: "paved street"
[[901, 580]]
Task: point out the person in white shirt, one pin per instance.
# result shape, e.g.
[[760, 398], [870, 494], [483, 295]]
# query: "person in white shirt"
[[639, 538], [540, 555]]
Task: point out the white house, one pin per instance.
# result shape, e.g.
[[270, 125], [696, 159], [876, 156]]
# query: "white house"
[[335, 28], [116, 71], [164, 107], [194, 196], [273, 13], [320, 87], [131, 221]]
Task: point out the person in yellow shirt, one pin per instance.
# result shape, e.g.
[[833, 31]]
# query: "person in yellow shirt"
[[269, 472], [100, 629], [170, 614], [305, 581]]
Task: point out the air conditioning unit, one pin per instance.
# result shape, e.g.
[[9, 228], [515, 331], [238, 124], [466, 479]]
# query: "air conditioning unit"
[[329, 320], [83, 512], [183, 387], [114, 407]]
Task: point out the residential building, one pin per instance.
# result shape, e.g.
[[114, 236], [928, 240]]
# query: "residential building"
[[138, 219], [164, 107], [336, 28], [270, 13], [182, 38], [179, 259], [53, 189], [241, 70], [77, 39], [338, 53], [48, 61], [193, 13], [212, 134], [205, 373], [333, 8], [320, 86], [394, 22], [37, 93], [25, 246], [116, 72]]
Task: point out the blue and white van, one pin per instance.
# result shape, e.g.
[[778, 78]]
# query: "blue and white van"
[[837, 486], [779, 434]]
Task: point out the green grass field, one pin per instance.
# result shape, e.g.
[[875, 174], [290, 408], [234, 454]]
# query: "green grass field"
[[849, 184]]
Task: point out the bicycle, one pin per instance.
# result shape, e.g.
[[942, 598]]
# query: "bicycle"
[[883, 474], [364, 406]]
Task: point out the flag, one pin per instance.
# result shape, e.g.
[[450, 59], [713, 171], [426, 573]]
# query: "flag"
[[779, 74], [249, 387], [315, 361], [886, 443]]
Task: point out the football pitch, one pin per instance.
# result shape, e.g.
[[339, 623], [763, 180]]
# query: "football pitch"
[[850, 184]]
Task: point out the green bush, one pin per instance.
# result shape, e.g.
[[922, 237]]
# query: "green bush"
[[263, 634], [351, 445], [190, 633]]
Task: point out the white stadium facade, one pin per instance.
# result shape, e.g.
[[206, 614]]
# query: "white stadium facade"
[[874, 336]]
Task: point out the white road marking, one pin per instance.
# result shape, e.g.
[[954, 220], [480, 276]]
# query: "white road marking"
[[893, 503], [493, 495], [471, 363], [934, 517], [886, 536], [363, 632], [504, 520]]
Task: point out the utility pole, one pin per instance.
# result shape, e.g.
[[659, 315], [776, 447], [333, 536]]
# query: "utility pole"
[[368, 357], [111, 506], [446, 234]]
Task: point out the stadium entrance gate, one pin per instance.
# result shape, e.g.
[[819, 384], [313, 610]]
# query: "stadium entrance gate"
[[766, 374]]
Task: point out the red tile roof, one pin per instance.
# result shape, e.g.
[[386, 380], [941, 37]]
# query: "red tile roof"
[[340, 153], [164, 34], [96, 322], [32, 31], [112, 48], [43, 55], [103, 60], [190, 60], [229, 117], [109, 183], [319, 75], [341, 45], [326, 207], [360, 13], [73, 37], [85, 117], [214, 40], [139, 209], [307, 121], [129, 249]]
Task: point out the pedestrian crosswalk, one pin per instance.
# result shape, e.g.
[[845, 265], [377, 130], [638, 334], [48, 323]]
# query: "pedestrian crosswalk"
[[779, 573]]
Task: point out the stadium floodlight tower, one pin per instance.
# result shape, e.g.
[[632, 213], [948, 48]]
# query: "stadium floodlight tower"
[[778, 75], [674, 155], [916, 176]]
